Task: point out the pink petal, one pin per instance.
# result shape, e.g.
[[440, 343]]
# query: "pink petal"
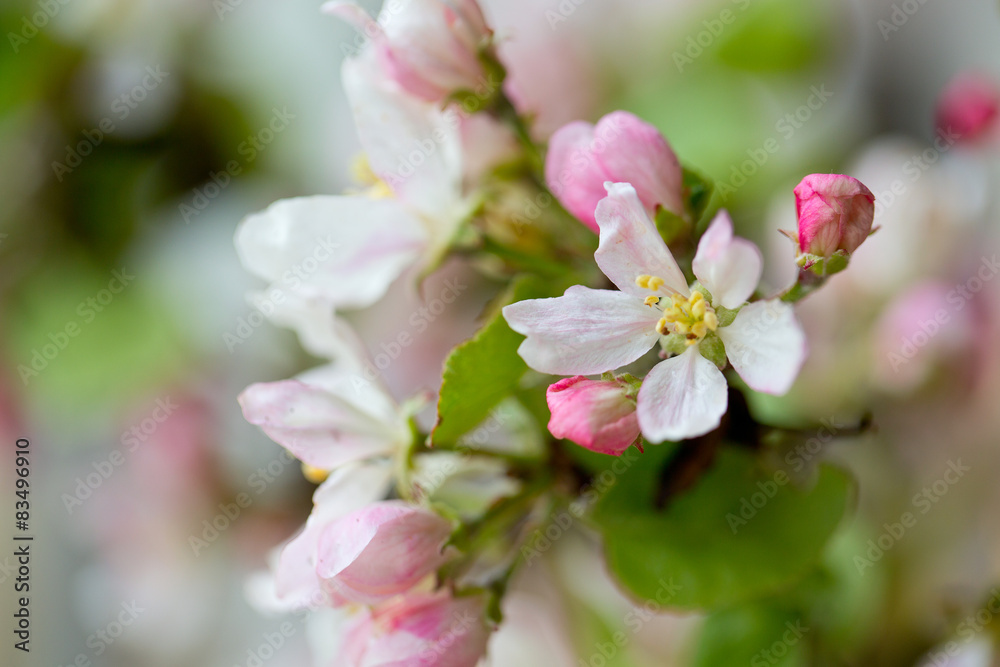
[[630, 245], [573, 175], [346, 490], [343, 250], [423, 630], [638, 154], [380, 550], [593, 414], [835, 212], [584, 332], [766, 346], [621, 148], [681, 398], [727, 265]]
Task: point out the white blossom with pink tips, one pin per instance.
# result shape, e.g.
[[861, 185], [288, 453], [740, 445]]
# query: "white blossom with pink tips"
[[345, 251], [588, 331]]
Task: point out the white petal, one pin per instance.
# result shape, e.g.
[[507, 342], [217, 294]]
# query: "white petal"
[[583, 332], [766, 345], [343, 250], [681, 398], [412, 145], [631, 246], [326, 417], [727, 265]]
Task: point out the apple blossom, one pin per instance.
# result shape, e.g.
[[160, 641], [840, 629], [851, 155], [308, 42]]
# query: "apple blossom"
[[596, 414], [431, 48], [419, 630], [344, 251], [835, 215], [589, 331], [379, 551], [621, 148]]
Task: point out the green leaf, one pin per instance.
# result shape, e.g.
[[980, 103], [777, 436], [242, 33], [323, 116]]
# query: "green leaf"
[[753, 635], [698, 190], [713, 541], [483, 370]]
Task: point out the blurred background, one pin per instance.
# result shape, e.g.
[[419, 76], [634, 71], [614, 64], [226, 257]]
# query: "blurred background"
[[135, 134]]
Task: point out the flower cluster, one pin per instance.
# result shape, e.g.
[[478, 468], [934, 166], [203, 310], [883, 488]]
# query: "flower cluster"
[[417, 521]]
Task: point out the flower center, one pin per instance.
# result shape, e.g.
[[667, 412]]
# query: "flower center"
[[692, 316]]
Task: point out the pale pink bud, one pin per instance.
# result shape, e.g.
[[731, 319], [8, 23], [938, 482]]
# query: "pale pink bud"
[[420, 630], [968, 107], [380, 551], [835, 213], [431, 48], [596, 414], [621, 148]]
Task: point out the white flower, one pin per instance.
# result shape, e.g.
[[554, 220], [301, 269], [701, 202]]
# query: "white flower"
[[589, 331], [344, 251]]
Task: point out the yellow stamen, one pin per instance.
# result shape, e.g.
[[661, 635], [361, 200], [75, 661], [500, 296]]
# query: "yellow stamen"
[[652, 300], [652, 283], [375, 187], [693, 317], [314, 474]]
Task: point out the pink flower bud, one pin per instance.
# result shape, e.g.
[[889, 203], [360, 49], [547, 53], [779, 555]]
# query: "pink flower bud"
[[835, 213], [595, 414], [380, 551], [968, 108], [420, 630], [621, 148], [431, 48]]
